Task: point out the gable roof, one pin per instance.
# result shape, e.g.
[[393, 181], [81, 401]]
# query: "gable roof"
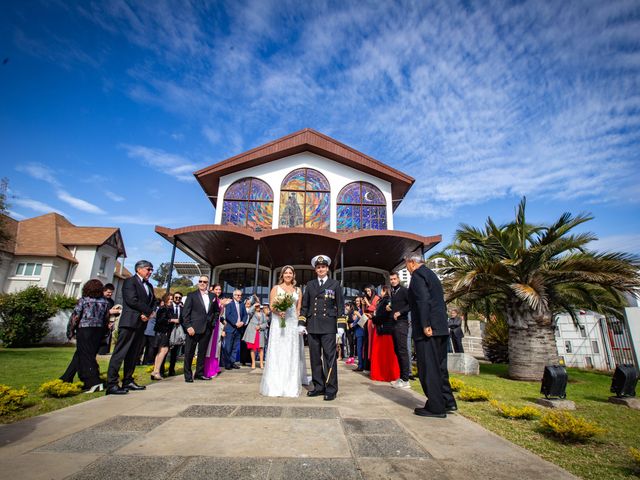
[[125, 273], [49, 236], [301, 141]]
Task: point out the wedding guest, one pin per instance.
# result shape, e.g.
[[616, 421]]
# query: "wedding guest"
[[369, 304], [88, 323], [236, 317], [199, 316], [384, 364], [245, 356], [176, 322], [114, 311], [400, 310], [150, 350], [359, 322], [163, 325], [254, 334], [350, 349], [430, 335], [214, 350], [139, 305], [266, 309]]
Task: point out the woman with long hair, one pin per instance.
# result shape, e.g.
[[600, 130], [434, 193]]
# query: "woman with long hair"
[[285, 370], [88, 324], [163, 326], [359, 323], [212, 358], [384, 363], [370, 301]]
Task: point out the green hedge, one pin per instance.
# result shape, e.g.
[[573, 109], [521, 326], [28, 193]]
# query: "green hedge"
[[24, 316]]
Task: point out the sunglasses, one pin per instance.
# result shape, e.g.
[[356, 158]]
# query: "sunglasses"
[[202, 281]]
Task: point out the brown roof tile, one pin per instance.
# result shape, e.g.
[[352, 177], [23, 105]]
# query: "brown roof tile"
[[125, 273]]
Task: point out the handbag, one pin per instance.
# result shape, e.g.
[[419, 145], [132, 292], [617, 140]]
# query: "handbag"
[[178, 337]]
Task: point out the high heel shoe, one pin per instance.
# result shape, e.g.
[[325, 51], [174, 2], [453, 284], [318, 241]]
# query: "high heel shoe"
[[96, 388], [156, 376]]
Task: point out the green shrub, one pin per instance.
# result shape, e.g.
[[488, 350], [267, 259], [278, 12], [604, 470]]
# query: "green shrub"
[[521, 413], [472, 394], [57, 388], [24, 316], [456, 384], [568, 428], [11, 400], [635, 455], [63, 302], [495, 340]]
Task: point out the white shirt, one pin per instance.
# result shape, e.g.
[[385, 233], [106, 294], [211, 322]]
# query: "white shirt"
[[205, 299], [144, 284], [237, 309], [322, 280]]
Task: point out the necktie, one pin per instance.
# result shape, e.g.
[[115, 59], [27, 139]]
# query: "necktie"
[[321, 282]]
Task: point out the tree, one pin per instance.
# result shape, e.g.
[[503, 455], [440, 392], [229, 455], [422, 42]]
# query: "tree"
[[536, 272], [161, 275], [4, 233], [182, 282]]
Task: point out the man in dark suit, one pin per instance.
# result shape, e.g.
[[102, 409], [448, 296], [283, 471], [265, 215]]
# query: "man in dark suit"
[[430, 335], [400, 307], [455, 331], [199, 315], [321, 317], [139, 304], [235, 315]]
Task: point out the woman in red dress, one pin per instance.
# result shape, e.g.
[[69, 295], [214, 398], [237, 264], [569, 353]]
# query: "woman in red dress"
[[384, 363]]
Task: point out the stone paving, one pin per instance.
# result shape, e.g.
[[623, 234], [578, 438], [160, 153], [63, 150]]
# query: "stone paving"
[[224, 429]]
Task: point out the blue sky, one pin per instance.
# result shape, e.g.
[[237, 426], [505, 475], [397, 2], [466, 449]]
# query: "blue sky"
[[108, 107]]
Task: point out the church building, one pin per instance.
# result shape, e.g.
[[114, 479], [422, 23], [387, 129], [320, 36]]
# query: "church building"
[[293, 198]]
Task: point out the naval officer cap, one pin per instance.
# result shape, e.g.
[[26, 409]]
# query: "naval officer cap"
[[320, 260]]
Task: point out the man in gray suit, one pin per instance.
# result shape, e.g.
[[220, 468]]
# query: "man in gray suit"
[[139, 304]]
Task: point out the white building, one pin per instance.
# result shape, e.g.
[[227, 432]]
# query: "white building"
[[51, 252]]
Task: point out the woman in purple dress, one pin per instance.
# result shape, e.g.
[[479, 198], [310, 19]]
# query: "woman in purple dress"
[[212, 358]]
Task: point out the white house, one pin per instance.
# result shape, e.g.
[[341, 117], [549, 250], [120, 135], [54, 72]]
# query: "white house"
[[51, 252]]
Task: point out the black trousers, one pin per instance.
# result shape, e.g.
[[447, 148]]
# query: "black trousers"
[[400, 334], [431, 355], [201, 340], [150, 350], [324, 365], [126, 351], [457, 344], [83, 361]]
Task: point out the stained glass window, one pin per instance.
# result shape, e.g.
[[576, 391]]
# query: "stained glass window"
[[305, 200], [248, 202], [361, 206]]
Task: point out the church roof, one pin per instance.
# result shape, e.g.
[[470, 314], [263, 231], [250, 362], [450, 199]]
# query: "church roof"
[[301, 141]]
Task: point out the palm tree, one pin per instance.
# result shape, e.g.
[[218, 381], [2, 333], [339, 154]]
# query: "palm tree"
[[536, 272]]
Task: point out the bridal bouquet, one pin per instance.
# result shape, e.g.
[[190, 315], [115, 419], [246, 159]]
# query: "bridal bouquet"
[[282, 304]]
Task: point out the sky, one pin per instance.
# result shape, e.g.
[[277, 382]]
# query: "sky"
[[108, 107]]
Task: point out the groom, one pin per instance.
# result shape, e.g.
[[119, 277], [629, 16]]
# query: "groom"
[[321, 317]]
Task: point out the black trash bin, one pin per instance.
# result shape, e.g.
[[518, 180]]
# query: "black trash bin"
[[554, 381], [624, 380]]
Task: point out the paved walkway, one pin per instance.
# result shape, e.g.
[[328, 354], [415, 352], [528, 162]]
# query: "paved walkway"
[[223, 429]]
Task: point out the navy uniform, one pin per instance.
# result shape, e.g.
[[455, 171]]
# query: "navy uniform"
[[322, 315]]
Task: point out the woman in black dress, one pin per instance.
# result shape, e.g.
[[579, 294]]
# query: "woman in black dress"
[[164, 325]]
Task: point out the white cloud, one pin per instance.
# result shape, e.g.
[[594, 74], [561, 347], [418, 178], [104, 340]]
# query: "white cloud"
[[114, 196], [39, 172], [80, 204], [138, 220], [36, 206], [16, 215], [618, 243], [168, 163]]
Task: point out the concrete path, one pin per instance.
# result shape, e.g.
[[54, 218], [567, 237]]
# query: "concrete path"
[[224, 429]]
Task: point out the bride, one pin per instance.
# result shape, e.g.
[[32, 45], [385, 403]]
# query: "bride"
[[286, 369]]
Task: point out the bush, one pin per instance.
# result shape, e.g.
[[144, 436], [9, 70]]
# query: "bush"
[[495, 340], [472, 394], [57, 388], [63, 302], [456, 384], [635, 455], [24, 316], [568, 427], [11, 400], [520, 413]]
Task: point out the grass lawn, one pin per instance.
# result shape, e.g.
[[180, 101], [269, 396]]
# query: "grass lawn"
[[605, 457], [31, 367]]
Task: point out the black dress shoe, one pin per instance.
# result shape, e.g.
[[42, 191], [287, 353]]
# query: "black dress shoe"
[[423, 412], [134, 386], [237, 367], [202, 377], [188, 380], [228, 368], [330, 397], [116, 390], [359, 370], [451, 408], [314, 393]]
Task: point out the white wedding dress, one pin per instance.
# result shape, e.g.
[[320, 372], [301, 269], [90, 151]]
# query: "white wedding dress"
[[285, 370]]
